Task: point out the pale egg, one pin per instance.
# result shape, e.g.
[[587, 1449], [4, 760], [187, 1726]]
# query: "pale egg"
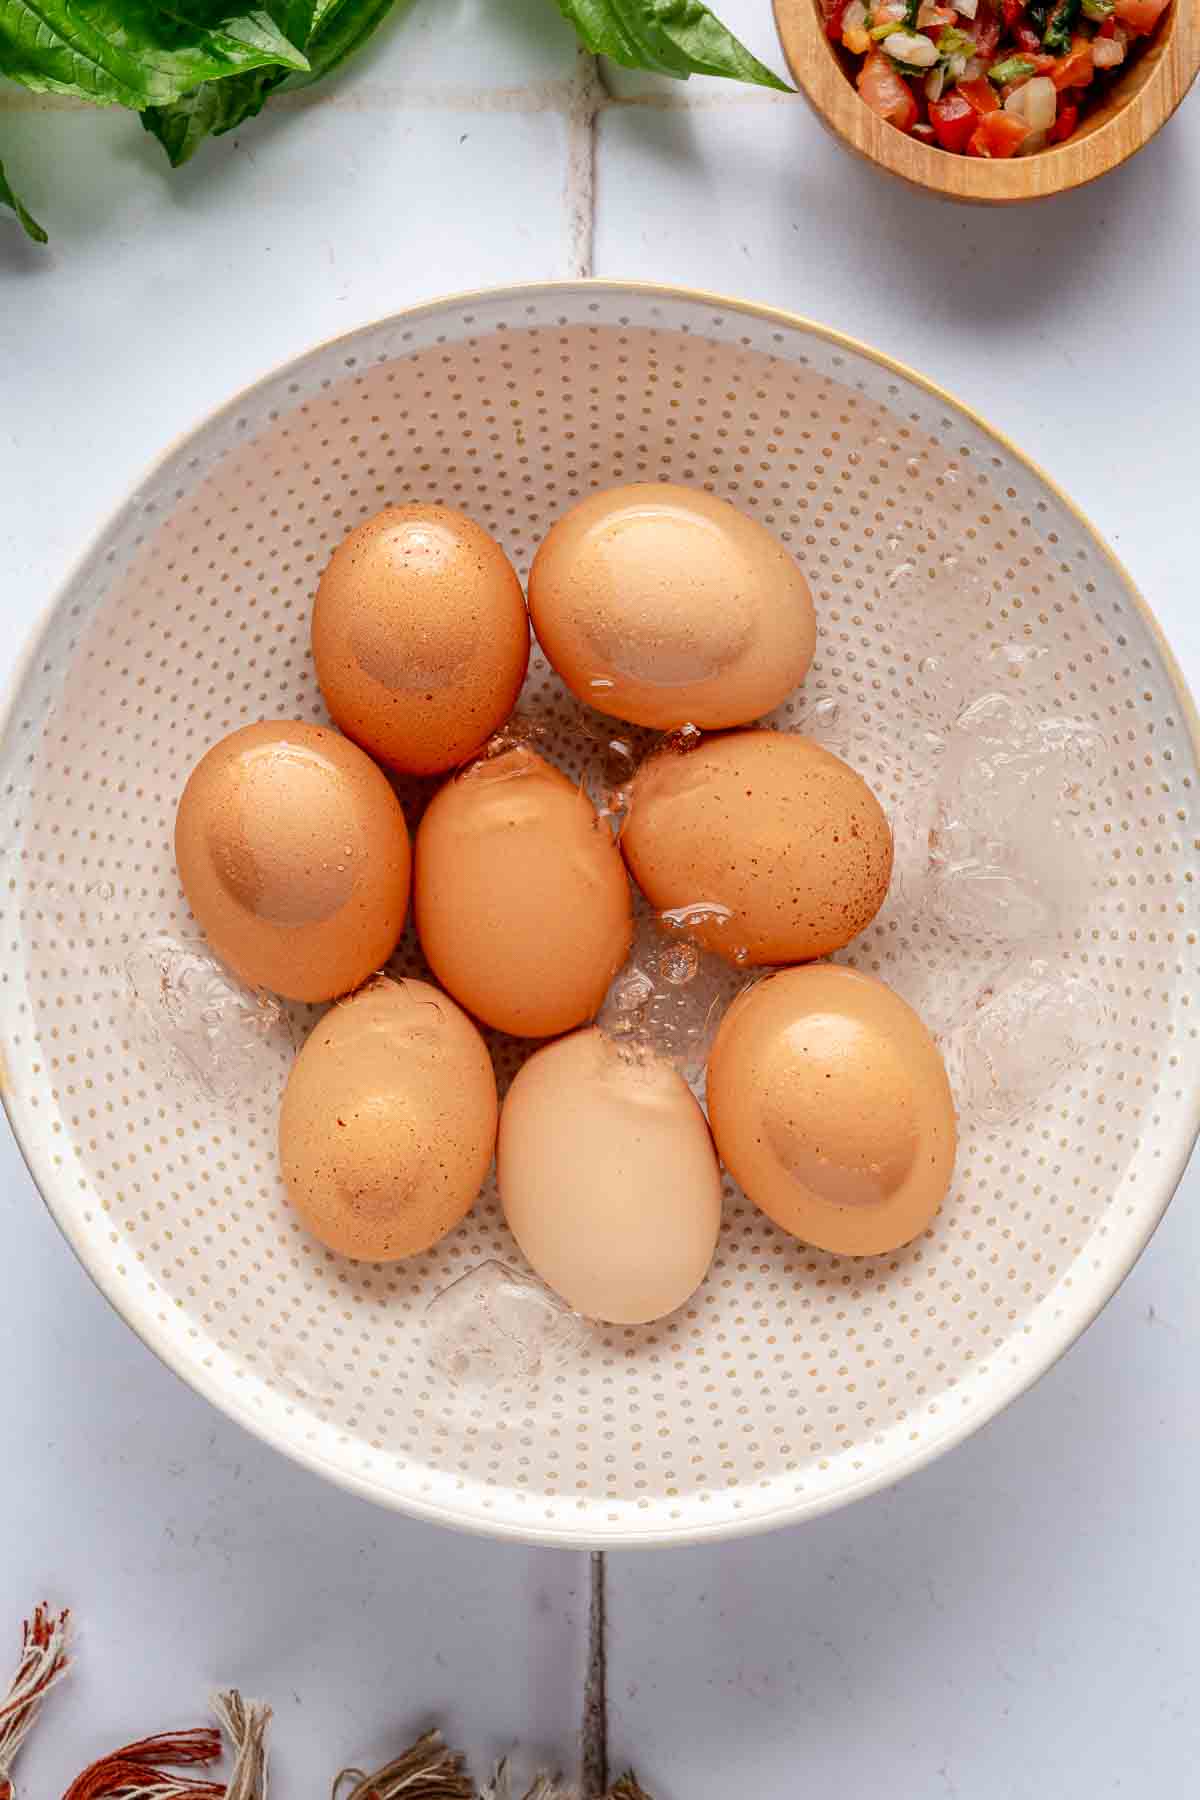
[[294, 856], [420, 637], [665, 606], [521, 899], [776, 848], [388, 1122], [830, 1106], [608, 1179]]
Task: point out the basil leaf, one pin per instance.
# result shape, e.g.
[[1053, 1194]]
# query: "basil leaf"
[[219, 106], [132, 53], [208, 111], [28, 222], [669, 37], [341, 27], [338, 30]]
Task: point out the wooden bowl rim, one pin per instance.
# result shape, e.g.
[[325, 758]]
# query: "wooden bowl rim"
[[814, 66]]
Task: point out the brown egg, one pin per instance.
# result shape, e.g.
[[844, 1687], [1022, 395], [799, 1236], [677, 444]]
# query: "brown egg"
[[664, 605], [609, 1179], [420, 637], [830, 1106], [294, 856], [388, 1121], [522, 902], [783, 850]]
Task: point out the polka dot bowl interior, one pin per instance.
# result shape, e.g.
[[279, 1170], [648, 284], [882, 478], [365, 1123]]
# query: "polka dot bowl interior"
[[945, 570]]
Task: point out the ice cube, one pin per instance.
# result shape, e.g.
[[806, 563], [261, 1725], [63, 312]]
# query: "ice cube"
[[1021, 1037], [670, 997], [1010, 856], [494, 1328], [233, 1043]]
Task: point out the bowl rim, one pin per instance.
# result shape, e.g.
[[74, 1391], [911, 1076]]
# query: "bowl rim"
[[1073, 1320], [813, 63]]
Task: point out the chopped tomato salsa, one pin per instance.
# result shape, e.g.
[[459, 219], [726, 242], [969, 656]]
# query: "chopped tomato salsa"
[[992, 78]]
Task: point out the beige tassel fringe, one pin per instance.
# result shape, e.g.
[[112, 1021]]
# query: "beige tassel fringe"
[[500, 1788], [426, 1772], [431, 1772], [245, 1726]]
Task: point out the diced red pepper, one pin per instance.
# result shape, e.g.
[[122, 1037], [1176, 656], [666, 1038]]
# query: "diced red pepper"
[[1012, 11], [979, 94], [1076, 68], [886, 92], [1065, 123], [954, 120], [834, 14], [999, 134], [1141, 15]]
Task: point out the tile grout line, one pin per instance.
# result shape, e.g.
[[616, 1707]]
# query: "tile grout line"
[[594, 1750], [586, 95]]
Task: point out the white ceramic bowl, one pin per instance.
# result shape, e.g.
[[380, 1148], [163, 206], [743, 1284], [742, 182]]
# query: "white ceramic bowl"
[[795, 1381]]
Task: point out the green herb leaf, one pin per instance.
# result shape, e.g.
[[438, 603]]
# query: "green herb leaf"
[[954, 42], [131, 52], [1011, 69], [669, 37], [339, 28], [1097, 10], [912, 8], [29, 223], [1057, 35], [208, 111]]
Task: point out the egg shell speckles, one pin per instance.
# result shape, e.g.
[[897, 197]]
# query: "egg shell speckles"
[[388, 1121], [522, 903], [420, 637], [769, 828], [665, 606], [830, 1105], [609, 1180], [293, 853]]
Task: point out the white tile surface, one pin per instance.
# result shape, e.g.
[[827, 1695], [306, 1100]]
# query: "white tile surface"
[[1017, 1621]]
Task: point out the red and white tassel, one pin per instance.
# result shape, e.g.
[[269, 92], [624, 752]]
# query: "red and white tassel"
[[141, 1771], [144, 1771], [44, 1661]]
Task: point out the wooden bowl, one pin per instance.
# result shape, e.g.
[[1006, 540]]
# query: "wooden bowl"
[[1142, 100]]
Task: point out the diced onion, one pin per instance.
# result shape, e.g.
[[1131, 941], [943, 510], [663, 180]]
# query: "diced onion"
[[956, 66], [1107, 53], [935, 82], [912, 48], [1035, 141], [968, 8], [1036, 102], [972, 69]]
